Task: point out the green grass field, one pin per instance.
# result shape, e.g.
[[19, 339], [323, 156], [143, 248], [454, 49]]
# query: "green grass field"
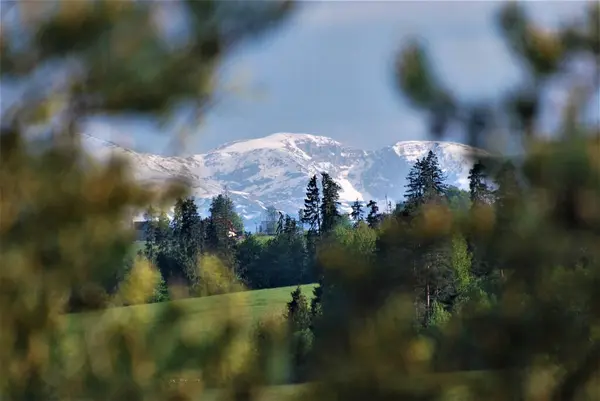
[[206, 311]]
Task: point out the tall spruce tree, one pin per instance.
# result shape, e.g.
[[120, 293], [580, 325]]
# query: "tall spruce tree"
[[425, 183], [374, 216], [158, 247], [280, 224], [312, 206], [270, 222], [222, 225], [479, 190], [187, 236], [329, 205], [480, 194], [433, 178], [357, 214]]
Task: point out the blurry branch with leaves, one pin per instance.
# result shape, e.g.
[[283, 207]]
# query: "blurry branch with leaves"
[[65, 218]]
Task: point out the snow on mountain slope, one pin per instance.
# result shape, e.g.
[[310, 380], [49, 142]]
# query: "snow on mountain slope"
[[274, 170]]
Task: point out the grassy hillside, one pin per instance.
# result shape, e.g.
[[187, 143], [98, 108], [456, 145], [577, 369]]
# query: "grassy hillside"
[[205, 311]]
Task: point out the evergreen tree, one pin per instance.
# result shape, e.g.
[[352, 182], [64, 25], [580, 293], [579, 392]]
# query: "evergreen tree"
[[315, 303], [187, 236], [507, 202], [161, 292], [425, 183], [480, 194], [158, 248], [283, 261], [415, 187], [329, 205], [479, 190], [298, 318], [297, 311], [222, 226], [270, 222], [312, 206], [150, 244], [250, 268], [434, 186], [374, 216], [357, 212], [280, 224]]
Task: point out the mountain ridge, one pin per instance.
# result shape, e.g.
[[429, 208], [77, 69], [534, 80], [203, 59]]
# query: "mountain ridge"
[[274, 170]]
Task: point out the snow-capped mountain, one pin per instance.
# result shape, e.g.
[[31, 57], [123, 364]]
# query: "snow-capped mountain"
[[274, 170]]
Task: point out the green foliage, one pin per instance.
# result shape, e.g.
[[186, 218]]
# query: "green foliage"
[[161, 292], [461, 263], [458, 200]]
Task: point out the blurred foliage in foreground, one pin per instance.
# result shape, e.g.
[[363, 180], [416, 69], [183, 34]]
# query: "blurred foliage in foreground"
[[536, 330]]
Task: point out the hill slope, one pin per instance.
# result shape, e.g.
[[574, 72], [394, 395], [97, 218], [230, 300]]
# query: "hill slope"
[[274, 170]]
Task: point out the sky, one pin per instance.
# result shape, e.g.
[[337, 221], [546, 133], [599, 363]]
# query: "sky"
[[328, 71]]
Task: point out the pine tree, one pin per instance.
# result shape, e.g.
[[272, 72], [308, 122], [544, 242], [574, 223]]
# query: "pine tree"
[[312, 205], [480, 194], [187, 236], [270, 223], [150, 244], [374, 216], [329, 206], [479, 190], [357, 212], [158, 248], [298, 317], [425, 183], [297, 311], [415, 185], [280, 224], [223, 220], [433, 178], [161, 292]]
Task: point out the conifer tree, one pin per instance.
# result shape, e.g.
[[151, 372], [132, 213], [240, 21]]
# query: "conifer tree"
[[311, 214], [357, 212], [479, 190], [480, 194], [433, 177], [187, 236], [158, 247], [373, 217], [329, 205], [297, 311], [222, 224], [280, 224], [425, 183]]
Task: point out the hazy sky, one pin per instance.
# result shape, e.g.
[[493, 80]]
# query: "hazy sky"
[[328, 71]]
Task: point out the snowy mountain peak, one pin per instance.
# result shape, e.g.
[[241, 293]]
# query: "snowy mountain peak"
[[413, 150], [280, 140], [274, 170]]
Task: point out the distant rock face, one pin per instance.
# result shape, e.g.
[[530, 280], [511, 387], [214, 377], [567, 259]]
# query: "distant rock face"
[[274, 170]]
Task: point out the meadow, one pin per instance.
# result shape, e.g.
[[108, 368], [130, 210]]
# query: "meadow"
[[207, 312]]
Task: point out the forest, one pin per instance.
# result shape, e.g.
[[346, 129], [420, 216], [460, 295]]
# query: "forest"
[[490, 294]]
